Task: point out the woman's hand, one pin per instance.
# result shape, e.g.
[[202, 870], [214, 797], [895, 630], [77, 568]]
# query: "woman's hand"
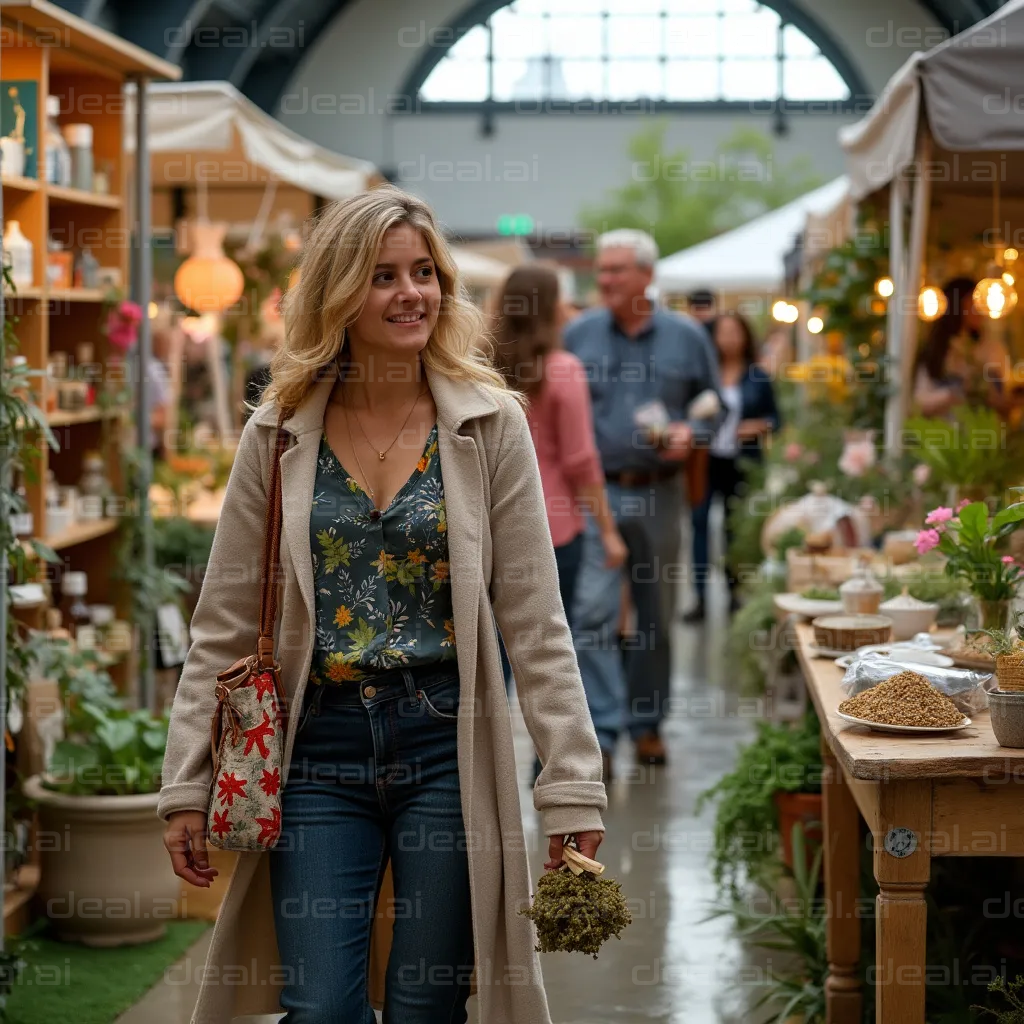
[[615, 550], [586, 842], [185, 841]]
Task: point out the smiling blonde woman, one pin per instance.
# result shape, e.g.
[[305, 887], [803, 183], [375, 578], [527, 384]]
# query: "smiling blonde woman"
[[412, 511]]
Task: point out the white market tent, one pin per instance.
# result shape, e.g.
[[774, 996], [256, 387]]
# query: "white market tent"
[[948, 123], [195, 118], [748, 259]]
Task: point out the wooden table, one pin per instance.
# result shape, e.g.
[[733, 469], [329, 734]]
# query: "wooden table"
[[948, 795]]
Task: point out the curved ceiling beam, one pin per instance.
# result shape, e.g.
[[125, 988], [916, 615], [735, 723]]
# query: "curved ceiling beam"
[[481, 10]]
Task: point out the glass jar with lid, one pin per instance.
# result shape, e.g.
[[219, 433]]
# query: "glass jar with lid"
[[861, 594], [93, 486]]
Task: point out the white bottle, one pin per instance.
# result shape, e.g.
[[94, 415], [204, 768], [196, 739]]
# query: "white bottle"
[[58, 155], [18, 253]]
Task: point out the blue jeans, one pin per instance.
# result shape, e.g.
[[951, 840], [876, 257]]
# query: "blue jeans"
[[628, 689], [724, 478], [375, 777]]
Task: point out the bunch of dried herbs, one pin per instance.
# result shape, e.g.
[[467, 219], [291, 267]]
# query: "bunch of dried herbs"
[[575, 911]]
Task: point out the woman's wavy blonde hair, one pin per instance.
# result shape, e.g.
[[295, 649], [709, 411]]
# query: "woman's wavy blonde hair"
[[336, 271]]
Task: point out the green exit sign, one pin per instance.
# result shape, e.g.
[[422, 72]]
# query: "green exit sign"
[[515, 224]]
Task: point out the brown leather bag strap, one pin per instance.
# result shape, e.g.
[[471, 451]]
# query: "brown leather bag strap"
[[271, 557]]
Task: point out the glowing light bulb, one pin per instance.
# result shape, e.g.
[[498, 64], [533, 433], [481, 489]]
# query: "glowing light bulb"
[[779, 311], [154, 310], [931, 304], [1008, 277], [885, 287], [1010, 255], [995, 297], [815, 325]]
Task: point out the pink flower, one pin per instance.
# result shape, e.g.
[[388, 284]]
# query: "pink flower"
[[1009, 560], [123, 325], [926, 540], [857, 458], [939, 515], [963, 504], [793, 451]]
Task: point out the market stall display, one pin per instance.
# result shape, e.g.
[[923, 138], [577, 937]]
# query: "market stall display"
[[933, 142], [922, 796]]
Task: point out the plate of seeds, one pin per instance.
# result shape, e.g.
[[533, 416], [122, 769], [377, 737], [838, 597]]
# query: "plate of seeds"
[[904, 703]]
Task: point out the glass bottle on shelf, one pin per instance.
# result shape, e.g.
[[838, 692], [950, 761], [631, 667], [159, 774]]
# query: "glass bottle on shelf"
[[18, 255], [87, 270], [74, 610], [58, 154], [93, 486]]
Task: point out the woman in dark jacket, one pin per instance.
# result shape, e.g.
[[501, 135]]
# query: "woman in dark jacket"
[[751, 414]]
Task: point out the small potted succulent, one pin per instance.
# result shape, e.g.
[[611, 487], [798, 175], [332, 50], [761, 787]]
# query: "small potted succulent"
[[1006, 705], [105, 878]]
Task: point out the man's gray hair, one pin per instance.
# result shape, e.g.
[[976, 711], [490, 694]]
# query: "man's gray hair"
[[645, 248]]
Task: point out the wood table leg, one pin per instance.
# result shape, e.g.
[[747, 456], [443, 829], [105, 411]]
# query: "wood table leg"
[[841, 827], [902, 869]]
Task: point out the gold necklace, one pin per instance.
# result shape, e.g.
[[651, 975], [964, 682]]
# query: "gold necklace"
[[362, 472], [383, 454]]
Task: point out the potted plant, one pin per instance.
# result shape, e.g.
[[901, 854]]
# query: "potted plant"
[[105, 878], [971, 540], [776, 782]]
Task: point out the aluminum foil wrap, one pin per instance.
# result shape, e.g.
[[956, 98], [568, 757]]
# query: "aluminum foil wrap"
[[967, 689]]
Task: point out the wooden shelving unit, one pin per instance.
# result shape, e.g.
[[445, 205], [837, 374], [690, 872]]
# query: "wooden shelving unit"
[[87, 68]]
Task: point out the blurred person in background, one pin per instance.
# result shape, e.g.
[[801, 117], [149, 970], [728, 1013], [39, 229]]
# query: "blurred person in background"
[[702, 306], [645, 366], [961, 363], [751, 415], [529, 354]]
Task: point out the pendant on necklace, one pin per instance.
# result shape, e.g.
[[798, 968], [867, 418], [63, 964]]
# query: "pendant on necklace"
[[381, 455]]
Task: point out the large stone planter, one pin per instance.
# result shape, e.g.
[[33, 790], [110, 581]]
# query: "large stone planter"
[[106, 877]]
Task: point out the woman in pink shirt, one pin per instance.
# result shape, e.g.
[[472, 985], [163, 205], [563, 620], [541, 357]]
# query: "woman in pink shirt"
[[529, 353]]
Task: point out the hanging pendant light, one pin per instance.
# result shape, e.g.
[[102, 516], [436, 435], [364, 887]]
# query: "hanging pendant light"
[[995, 295], [208, 281], [931, 303]]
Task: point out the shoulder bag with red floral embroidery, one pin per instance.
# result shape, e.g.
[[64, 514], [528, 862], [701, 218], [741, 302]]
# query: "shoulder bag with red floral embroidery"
[[248, 728]]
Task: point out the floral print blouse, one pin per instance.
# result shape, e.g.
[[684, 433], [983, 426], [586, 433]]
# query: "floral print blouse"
[[383, 594]]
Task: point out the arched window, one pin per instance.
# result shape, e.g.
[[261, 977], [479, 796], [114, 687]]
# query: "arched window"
[[664, 51]]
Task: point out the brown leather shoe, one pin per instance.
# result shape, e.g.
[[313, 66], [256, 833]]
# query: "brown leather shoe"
[[650, 749]]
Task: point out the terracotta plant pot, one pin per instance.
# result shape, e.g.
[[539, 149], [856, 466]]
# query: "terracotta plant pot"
[[805, 808], [106, 877]]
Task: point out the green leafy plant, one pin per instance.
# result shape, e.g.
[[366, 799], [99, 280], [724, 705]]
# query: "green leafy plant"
[[681, 209], [970, 540], [1013, 993], [843, 293], [970, 451], [109, 749], [782, 758], [754, 620], [794, 926], [1002, 642]]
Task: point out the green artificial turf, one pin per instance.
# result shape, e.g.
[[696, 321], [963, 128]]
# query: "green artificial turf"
[[66, 983]]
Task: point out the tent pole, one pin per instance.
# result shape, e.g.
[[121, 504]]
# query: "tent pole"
[[915, 266], [897, 206]]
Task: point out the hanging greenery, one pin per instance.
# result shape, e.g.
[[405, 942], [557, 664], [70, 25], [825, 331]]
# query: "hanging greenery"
[[843, 294]]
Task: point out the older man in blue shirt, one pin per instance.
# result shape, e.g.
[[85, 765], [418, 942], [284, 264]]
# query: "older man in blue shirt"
[[645, 366]]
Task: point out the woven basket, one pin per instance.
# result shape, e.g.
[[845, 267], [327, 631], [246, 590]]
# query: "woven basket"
[[848, 632], [1010, 672]]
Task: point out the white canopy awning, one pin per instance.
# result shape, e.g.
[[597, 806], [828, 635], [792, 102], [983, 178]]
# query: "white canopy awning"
[[477, 269], [748, 259], [197, 117], [970, 84]]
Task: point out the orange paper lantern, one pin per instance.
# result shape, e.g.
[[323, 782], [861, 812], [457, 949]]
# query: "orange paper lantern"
[[208, 281]]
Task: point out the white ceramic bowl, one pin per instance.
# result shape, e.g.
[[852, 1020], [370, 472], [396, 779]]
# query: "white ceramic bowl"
[[906, 622]]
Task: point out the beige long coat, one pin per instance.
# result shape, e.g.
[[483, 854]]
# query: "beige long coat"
[[502, 558]]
